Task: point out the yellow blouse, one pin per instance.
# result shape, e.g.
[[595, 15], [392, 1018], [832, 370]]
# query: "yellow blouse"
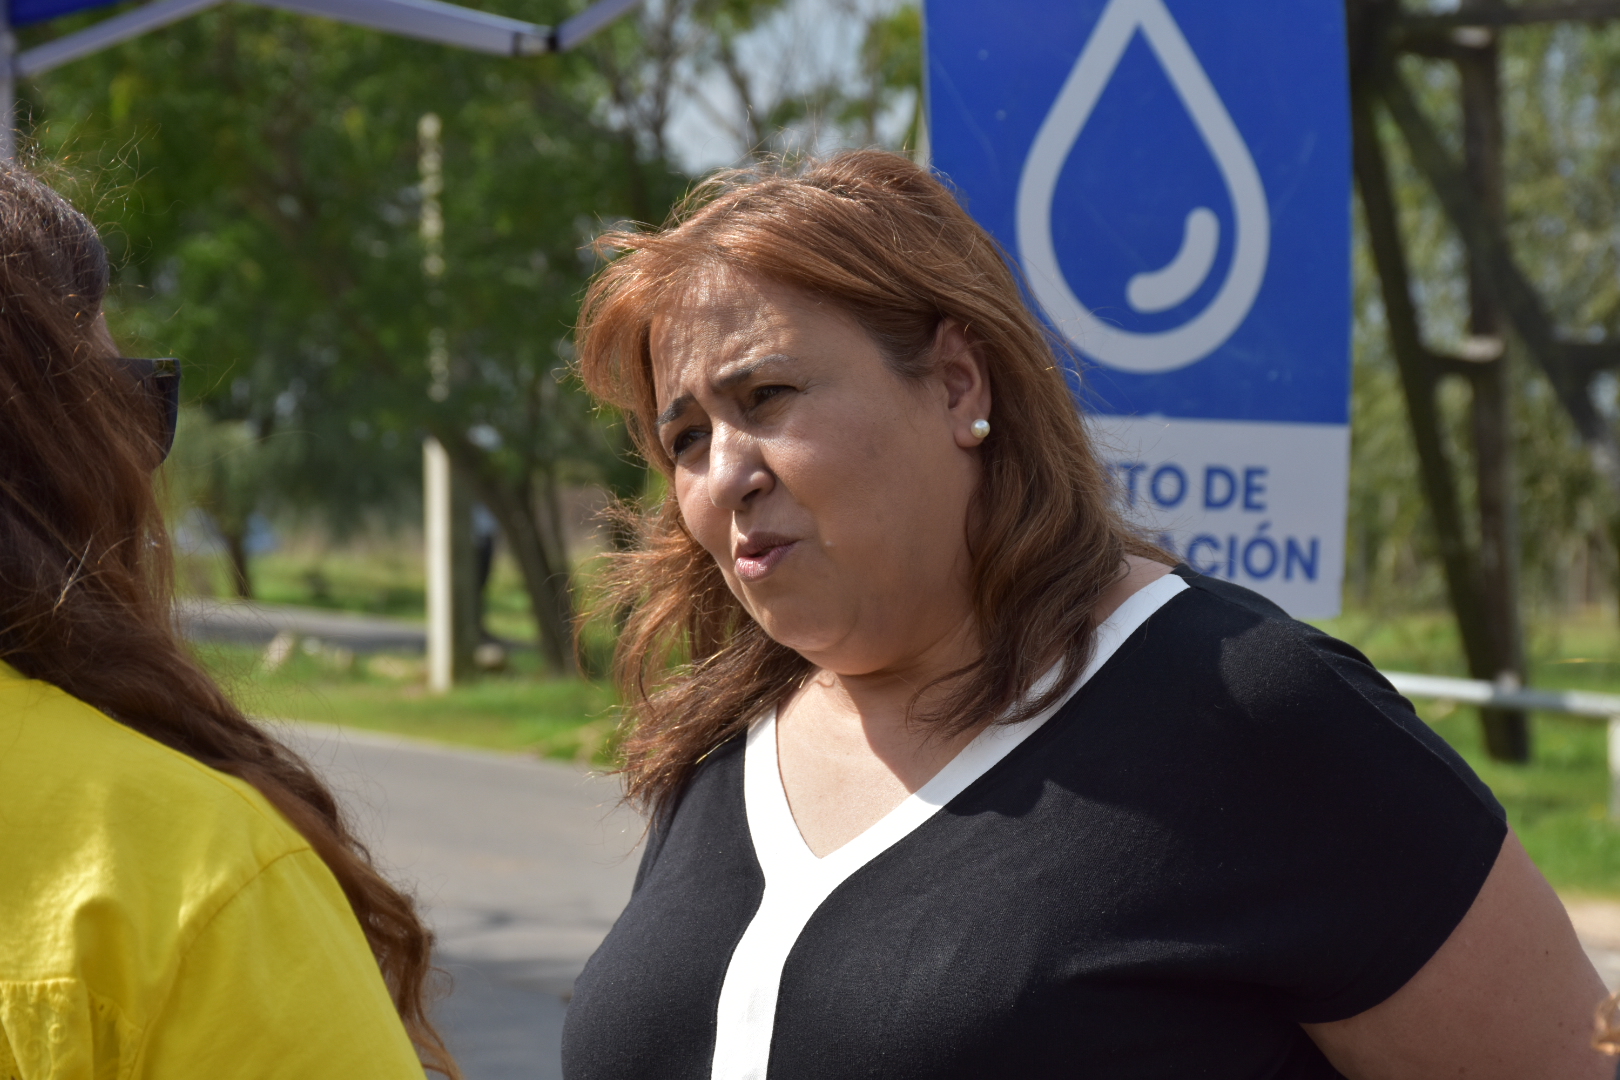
[[160, 919]]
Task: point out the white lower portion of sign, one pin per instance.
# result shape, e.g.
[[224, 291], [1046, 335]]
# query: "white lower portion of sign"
[[1259, 504]]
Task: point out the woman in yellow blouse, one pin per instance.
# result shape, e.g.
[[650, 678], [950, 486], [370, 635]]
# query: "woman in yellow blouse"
[[180, 896]]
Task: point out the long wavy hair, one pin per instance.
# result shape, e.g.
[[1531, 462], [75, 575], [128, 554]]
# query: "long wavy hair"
[[86, 568], [882, 239]]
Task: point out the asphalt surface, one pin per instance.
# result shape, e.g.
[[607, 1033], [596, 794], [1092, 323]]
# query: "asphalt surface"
[[247, 622], [521, 864]]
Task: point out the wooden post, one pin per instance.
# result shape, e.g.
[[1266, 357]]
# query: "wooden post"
[[1507, 731]]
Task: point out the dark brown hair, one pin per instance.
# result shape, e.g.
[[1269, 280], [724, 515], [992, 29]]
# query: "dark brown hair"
[[85, 565], [881, 238]]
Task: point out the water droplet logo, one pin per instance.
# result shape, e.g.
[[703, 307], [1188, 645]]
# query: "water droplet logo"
[[1163, 289]]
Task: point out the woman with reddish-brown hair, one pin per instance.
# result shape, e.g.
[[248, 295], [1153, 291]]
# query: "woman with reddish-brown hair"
[[180, 896], [950, 773]]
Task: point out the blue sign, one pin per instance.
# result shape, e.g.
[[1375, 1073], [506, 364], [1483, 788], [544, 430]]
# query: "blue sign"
[[1173, 179]]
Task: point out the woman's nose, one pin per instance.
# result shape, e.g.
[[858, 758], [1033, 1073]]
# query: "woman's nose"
[[738, 474]]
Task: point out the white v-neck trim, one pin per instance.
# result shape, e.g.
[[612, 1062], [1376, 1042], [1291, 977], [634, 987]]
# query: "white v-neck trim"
[[797, 882]]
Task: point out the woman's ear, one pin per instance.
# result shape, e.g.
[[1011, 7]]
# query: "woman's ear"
[[962, 372]]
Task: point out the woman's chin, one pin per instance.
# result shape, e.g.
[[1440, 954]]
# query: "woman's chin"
[[806, 634]]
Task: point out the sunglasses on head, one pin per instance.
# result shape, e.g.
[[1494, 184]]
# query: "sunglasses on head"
[[161, 381]]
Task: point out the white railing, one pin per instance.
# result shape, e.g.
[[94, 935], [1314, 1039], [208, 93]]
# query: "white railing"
[[1580, 703]]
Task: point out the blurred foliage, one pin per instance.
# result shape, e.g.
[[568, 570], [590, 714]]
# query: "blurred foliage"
[[1561, 102], [257, 177], [892, 61], [221, 468]]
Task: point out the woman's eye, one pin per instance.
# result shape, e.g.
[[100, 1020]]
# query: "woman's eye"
[[763, 394], [684, 441]]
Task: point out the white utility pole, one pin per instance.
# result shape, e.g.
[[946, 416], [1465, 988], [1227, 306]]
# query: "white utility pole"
[[438, 485], [436, 488], [448, 541], [448, 551]]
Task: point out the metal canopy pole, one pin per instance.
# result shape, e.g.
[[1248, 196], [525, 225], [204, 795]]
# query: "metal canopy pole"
[[425, 20], [8, 86], [105, 34], [581, 26]]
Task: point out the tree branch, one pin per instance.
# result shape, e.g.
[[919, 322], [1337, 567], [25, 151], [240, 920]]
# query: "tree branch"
[[1488, 247], [544, 576]]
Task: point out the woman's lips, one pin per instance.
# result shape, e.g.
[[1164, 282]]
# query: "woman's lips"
[[758, 564]]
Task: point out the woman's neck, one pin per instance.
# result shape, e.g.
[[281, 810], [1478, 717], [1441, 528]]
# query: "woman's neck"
[[885, 698], [887, 695]]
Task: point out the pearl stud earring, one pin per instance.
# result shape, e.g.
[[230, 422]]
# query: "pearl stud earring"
[[980, 429]]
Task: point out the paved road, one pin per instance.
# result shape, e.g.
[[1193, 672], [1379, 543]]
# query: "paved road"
[[247, 622], [522, 864]]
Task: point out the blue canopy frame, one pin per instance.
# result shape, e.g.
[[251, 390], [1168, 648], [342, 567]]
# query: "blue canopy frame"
[[427, 20]]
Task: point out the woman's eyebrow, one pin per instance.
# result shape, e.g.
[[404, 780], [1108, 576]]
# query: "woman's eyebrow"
[[724, 381], [673, 410], [730, 377]]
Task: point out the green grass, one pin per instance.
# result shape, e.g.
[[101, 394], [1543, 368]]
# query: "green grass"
[[1558, 803], [366, 578], [520, 710]]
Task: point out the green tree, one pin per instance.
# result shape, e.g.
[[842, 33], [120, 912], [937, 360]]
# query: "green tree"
[[258, 177], [219, 467]]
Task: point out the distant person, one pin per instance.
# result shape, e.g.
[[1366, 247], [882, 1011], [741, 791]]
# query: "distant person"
[[180, 897], [952, 773], [486, 531]]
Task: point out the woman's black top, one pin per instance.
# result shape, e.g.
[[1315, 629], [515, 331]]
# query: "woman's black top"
[[1233, 826]]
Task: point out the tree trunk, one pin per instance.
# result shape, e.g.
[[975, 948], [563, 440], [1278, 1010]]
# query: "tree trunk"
[[545, 574], [237, 559], [1507, 731], [546, 582]]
